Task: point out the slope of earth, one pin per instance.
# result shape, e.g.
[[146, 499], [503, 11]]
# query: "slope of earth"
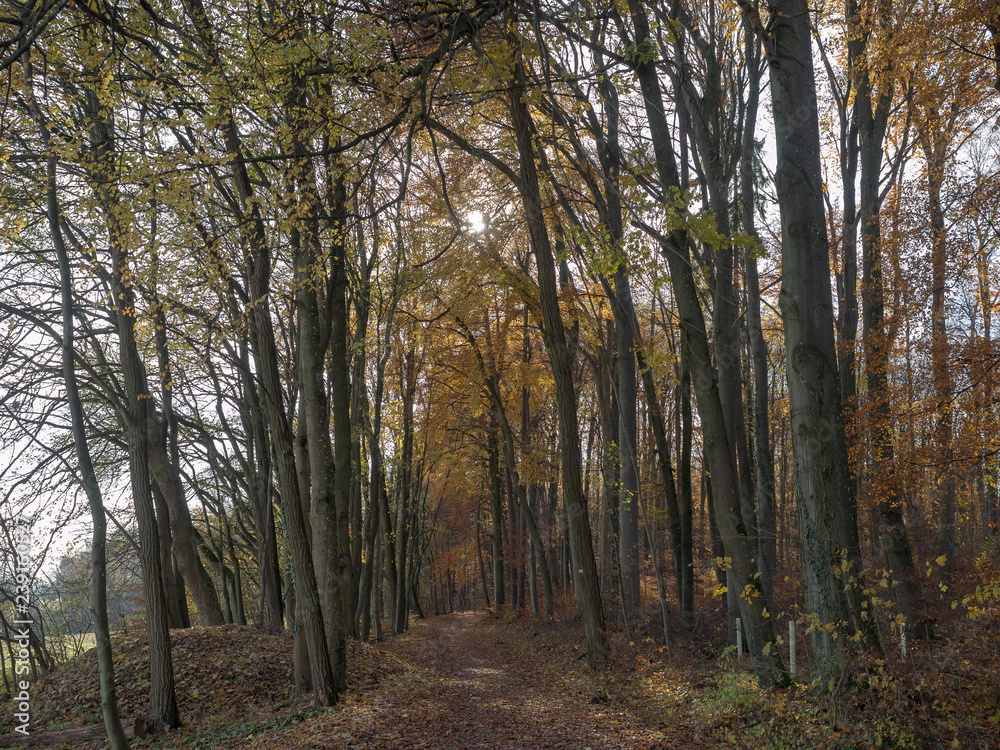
[[222, 674]]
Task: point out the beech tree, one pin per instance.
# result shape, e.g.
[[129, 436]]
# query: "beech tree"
[[828, 533], [398, 308]]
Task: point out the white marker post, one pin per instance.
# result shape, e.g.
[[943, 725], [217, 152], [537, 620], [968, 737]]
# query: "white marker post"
[[739, 640], [902, 639], [791, 647]]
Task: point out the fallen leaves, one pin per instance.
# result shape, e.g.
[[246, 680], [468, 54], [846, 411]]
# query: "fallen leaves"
[[467, 681], [223, 676]]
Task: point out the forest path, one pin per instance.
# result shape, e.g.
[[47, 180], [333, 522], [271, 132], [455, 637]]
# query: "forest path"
[[465, 682]]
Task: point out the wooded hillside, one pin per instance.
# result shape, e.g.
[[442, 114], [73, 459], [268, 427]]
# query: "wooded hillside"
[[629, 313]]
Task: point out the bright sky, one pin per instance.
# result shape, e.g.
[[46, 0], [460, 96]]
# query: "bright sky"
[[476, 219]]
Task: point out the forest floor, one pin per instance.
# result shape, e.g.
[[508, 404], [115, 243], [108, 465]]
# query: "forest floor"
[[462, 681], [482, 680]]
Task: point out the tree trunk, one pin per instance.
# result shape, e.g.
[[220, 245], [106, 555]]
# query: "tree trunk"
[[628, 474], [376, 485], [166, 558], [340, 388], [408, 386], [360, 428], [185, 544], [828, 530], [168, 428], [163, 713], [88, 477], [758, 629], [886, 488], [935, 154], [479, 554], [266, 366], [131, 728], [764, 456], [270, 613], [605, 369], [496, 515], [558, 349], [685, 492], [387, 546]]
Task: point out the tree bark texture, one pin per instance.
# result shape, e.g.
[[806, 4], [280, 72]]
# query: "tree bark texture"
[[827, 507]]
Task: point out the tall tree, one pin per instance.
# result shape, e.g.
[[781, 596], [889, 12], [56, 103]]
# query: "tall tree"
[[763, 454], [557, 346], [827, 506], [875, 71], [761, 641], [163, 714], [88, 477]]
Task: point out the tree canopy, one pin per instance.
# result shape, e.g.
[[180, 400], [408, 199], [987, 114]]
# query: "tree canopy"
[[373, 308]]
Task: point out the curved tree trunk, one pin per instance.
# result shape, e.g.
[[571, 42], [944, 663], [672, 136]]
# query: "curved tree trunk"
[[88, 477], [185, 539], [559, 350], [163, 714]]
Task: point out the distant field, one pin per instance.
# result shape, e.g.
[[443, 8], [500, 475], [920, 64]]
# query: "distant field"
[[74, 645]]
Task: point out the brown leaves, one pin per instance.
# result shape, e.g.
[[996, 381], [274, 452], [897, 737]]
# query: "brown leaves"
[[223, 675], [459, 682], [482, 681]]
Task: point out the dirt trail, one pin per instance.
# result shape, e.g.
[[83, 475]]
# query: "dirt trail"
[[464, 684]]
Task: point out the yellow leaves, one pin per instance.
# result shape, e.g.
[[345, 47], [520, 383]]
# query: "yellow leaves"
[[213, 122]]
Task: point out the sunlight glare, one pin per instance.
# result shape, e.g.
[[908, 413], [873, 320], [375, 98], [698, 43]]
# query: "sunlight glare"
[[475, 219]]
